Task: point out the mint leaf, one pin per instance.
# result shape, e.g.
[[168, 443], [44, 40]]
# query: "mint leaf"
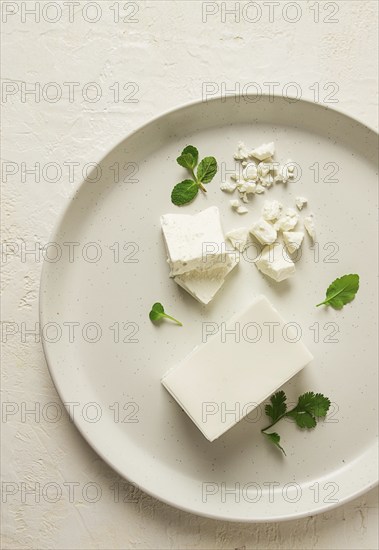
[[278, 406], [190, 149], [275, 438], [187, 161], [207, 169], [157, 313], [341, 291], [184, 192]]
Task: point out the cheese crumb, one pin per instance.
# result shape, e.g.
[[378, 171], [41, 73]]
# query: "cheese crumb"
[[293, 240], [275, 262], [238, 238], [309, 225], [300, 202], [271, 210], [264, 232]]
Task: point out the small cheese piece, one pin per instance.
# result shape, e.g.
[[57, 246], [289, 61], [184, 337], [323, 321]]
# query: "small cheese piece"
[[236, 369], [194, 242], [242, 152], [275, 262], [264, 231], [228, 186], [238, 238], [287, 221], [234, 203], [300, 202], [309, 224], [293, 240], [203, 285], [242, 210], [271, 210], [264, 151]]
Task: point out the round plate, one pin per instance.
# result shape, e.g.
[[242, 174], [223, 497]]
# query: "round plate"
[[107, 266]]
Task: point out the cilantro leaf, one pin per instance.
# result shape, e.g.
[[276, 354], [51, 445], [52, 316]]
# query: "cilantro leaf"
[[275, 438], [184, 192], [157, 313], [316, 404], [278, 406], [207, 169], [310, 407], [341, 291], [303, 419]]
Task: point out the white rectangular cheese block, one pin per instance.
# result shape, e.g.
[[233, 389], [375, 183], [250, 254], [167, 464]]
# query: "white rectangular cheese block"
[[194, 241], [239, 367], [203, 285]]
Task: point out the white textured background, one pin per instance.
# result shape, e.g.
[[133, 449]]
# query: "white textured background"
[[167, 50]]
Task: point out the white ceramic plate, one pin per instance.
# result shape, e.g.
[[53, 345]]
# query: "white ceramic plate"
[[123, 411]]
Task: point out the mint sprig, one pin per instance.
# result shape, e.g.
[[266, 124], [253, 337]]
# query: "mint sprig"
[[185, 191], [309, 409]]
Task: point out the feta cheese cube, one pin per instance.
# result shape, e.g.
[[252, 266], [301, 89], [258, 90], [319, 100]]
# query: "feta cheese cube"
[[264, 151], [240, 366], [300, 202], [264, 231], [293, 240], [203, 285], [271, 210], [193, 241], [309, 224], [238, 238], [275, 262]]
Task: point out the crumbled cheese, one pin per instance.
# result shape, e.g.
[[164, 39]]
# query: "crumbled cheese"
[[293, 240], [259, 189], [264, 151], [242, 210], [287, 221], [238, 238], [271, 210], [275, 262], [234, 203], [300, 202], [264, 231], [242, 153], [228, 186], [309, 225]]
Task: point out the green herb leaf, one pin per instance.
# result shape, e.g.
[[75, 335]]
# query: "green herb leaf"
[[310, 407], [341, 291], [187, 161], [278, 406], [275, 439], [315, 404], [157, 313], [303, 419], [191, 150], [184, 192], [207, 169]]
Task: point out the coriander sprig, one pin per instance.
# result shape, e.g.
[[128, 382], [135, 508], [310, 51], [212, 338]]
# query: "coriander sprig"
[[157, 313], [185, 191], [309, 409], [341, 291]]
